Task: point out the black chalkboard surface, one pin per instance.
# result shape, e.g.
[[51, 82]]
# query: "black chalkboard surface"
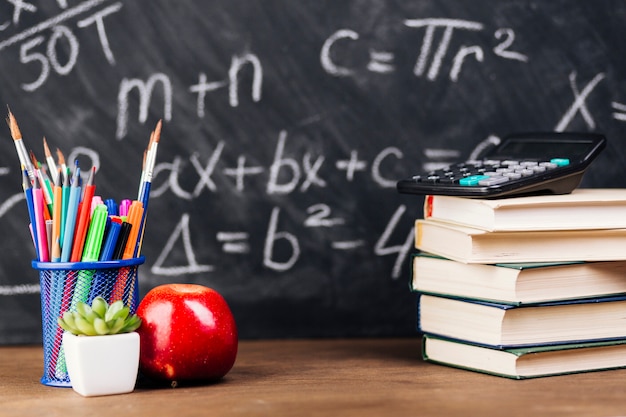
[[286, 126]]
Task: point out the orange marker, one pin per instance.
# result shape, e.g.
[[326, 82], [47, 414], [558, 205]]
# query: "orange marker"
[[135, 214]]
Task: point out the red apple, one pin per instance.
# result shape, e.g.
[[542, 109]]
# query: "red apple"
[[188, 333]]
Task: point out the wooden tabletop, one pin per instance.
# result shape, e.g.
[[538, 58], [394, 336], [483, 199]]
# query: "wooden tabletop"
[[360, 377]]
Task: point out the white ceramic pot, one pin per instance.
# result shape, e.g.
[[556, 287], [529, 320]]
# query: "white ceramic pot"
[[102, 365]]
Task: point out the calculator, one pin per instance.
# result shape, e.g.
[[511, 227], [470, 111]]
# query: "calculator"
[[521, 164]]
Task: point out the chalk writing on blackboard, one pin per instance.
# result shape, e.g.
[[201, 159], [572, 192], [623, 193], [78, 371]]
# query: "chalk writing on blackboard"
[[579, 105], [38, 49], [31, 40], [428, 63]]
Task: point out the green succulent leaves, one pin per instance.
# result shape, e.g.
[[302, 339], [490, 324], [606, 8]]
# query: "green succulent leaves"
[[99, 319]]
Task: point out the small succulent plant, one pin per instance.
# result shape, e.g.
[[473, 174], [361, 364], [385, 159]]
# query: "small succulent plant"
[[99, 319]]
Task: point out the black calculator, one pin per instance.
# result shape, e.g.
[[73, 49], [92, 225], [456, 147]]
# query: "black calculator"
[[521, 164]]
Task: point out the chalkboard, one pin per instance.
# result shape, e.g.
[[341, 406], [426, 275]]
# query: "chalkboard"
[[285, 127]]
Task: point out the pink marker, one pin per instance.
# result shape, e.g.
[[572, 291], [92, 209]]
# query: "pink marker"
[[94, 203], [40, 224], [124, 206]]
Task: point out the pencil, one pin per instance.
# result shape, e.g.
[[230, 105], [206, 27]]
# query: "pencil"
[[83, 218], [45, 186], [52, 166], [40, 224], [65, 198], [70, 222], [28, 192], [61, 160], [57, 214]]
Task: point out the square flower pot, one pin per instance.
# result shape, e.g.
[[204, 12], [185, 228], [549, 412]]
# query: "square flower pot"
[[102, 365]]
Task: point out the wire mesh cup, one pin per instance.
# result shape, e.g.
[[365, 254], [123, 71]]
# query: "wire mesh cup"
[[63, 286]]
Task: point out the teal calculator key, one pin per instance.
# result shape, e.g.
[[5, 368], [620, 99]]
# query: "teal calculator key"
[[472, 180], [560, 162]]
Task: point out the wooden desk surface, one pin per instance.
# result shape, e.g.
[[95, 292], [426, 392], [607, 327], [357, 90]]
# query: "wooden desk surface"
[[378, 377]]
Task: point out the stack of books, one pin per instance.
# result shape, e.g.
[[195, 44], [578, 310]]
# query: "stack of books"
[[523, 287]]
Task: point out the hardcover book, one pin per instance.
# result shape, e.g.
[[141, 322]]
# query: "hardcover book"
[[528, 362], [517, 284], [504, 326], [582, 209], [471, 245]]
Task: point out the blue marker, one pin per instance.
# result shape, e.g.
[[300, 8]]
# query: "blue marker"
[[111, 206], [108, 247]]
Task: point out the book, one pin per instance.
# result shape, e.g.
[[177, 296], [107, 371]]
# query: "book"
[[505, 326], [528, 362], [470, 245], [518, 283], [582, 209]]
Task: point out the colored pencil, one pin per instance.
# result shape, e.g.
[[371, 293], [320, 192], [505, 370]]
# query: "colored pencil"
[[83, 218], [52, 166], [70, 222], [40, 224], [45, 186], [65, 198], [61, 159], [57, 214], [28, 192]]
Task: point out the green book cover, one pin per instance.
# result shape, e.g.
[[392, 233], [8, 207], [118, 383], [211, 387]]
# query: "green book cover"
[[526, 362]]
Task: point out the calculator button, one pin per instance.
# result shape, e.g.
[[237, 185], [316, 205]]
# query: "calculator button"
[[548, 165], [513, 175], [472, 180], [448, 180], [561, 162], [493, 181]]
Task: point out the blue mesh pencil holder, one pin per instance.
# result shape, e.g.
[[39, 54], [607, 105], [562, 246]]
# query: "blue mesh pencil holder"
[[63, 286]]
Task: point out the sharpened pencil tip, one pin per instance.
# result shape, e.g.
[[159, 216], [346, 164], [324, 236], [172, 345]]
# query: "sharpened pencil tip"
[[33, 158], [46, 149], [15, 130], [60, 157]]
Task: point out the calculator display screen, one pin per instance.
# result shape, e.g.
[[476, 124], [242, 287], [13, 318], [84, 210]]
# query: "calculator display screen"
[[542, 149]]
